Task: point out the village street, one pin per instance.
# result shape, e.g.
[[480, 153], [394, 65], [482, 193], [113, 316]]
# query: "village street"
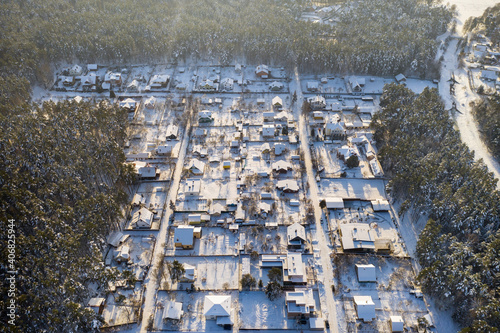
[[151, 282], [325, 272]]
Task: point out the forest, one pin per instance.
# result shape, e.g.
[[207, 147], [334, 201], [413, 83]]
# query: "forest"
[[62, 182], [487, 24], [435, 174], [381, 37]]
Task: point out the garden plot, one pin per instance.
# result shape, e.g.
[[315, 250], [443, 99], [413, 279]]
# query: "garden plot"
[[122, 308], [264, 240], [153, 194], [326, 155], [214, 241], [334, 85], [353, 188], [193, 318], [211, 273]]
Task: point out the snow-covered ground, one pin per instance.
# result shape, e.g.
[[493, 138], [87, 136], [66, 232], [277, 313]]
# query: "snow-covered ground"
[[467, 8]]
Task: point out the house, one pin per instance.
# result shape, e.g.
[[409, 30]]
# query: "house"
[[261, 101], [142, 219], [281, 166], [92, 67], [184, 236], [194, 218], [78, 99], [172, 132], [68, 80], [205, 116], [89, 82], [397, 323], [227, 84], [380, 205], [237, 68], [200, 151], [113, 78], [226, 165], [207, 85], [299, 303], [345, 152], [355, 85], [296, 236], [206, 101], [277, 103], [196, 166], [400, 78], [76, 70], [147, 172], [272, 260], [276, 86], [288, 185], [335, 129], [294, 270], [264, 208], [334, 203], [165, 149], [122, 254], [239, 215], [312, 86], [375, 167], [366, 273], [189, 273], [317, 102], [150, 102], [133, 86], [266, 196], [279, 148], [489, 75], [192, 187], [97, 304], [357, 237], [268, 116], [117, 238], [262, 71], [365, 308], [282, 116], [159, 81], [218, 307], [316, 324], [319, 116], [128, 104], [268, 131], [172, 310]]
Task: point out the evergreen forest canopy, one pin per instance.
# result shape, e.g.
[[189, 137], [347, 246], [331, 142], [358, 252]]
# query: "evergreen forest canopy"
[[382, 37], [62, 181], [434, 172]]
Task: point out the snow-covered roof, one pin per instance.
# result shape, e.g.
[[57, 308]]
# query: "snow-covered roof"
[[142, 218], [281, 165], [277, 101], [288, 185], [357, 236], [366, 273], [217, 306], [184, 234], [397, 323], [192, 186], [128, 103], [172, 310], [334, 203], [365, 307], [196, 166], [380, 205], [296, 232]]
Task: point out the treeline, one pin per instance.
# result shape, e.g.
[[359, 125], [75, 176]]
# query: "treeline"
[[62, 182], [486, 24], [487, 114], [433, 172], [377, 37]]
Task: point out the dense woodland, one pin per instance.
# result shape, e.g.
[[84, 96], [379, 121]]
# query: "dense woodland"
[[62, 180], [378, 37], [435, 174]]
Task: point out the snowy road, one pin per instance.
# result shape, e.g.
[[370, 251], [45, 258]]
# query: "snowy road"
[[151, 282], [325, 272], [469, 131]]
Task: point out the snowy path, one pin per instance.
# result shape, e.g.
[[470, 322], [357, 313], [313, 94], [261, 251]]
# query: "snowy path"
[[151, 282], [325, 272], [469, 132]]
